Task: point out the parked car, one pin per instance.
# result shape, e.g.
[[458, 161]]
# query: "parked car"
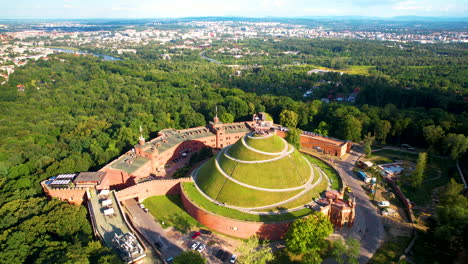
[[141, 205], [146, 210], [201, 247], [195, 245], [205, 232], [225, 256], [170, 260], [384, 204], [233, 259], [406, 146], [219, 254], [195, 235]]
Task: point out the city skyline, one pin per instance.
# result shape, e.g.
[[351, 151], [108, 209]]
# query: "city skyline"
[[74, 9]]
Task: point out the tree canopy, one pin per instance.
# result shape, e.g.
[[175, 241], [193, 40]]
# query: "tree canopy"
[[308, 234], [191, 256], [254, 251]]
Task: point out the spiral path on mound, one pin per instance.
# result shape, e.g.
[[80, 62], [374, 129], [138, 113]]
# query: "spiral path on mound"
[[286, 152]]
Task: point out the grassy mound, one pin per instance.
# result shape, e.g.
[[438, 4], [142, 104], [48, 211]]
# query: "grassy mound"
[[218, 187], [269, 144], [238, 151], [285, 172]]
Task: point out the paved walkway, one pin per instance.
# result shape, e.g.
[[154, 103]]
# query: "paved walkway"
[[151, 230]]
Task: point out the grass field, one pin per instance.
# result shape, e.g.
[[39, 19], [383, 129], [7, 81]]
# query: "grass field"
[[331, 173], [220, 188], [391, 250], [238, 151], [287, 172], [306, 198], [270, 144], [352, 69], [201, 201], [168, 209]]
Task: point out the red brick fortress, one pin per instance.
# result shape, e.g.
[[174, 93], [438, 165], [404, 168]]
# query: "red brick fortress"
[[143, 172]]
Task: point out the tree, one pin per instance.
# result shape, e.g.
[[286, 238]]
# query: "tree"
[[350, 128], [433, 134], [254, 251], [236, 106], [293, 137], [456, 145], [417, 176], [226, 118], [346, 252], [289, 118], [368, 141], [311, 257], [191, 256], [308, 234], [382, 129], [322, 129]]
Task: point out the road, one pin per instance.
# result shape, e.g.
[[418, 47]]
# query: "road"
[[151, 230], [368, 227], [202, 55]]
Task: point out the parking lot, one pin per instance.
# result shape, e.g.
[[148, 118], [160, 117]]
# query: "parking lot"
[[219, 249]]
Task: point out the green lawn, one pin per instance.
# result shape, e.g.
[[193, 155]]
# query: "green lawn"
[[306, 198], [192, 192], [270, 144], [331, 173], [359, 69], [218, 187], [238, 151], [289, 171], [169, 209], [395, 155], [391, 250]]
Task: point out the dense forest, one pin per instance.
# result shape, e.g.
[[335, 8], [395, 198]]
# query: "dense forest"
[[78, 112]]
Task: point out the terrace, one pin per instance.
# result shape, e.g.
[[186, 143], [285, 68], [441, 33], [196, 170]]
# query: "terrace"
[[109, 223]]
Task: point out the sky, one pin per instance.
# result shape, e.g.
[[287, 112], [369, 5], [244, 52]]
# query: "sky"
[[71, 9]]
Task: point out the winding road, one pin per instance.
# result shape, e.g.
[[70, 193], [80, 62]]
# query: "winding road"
[[368, 228]]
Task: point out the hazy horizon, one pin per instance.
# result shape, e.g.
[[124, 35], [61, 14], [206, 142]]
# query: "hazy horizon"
[[154, 9]]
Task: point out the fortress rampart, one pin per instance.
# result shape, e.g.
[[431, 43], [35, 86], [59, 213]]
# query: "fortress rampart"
[[234, 227]]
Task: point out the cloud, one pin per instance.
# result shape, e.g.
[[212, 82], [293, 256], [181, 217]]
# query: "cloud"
[[413, 6]]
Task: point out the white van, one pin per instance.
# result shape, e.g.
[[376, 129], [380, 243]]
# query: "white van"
[[384, 204]]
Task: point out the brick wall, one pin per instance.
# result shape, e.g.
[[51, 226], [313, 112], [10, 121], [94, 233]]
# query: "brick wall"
[[327, 147], [116, 179], [233, 227], [74, 196], [151, 188]]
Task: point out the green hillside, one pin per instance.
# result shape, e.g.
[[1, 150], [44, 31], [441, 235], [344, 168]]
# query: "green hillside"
[[241, 170]]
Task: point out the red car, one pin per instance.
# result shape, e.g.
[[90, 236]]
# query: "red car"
[[195, 235]]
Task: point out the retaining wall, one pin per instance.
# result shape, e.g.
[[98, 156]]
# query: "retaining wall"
[[233, 227], [151, 188]]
